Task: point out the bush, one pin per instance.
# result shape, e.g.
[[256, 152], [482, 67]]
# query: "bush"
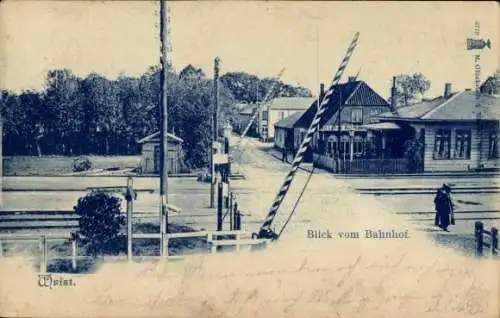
[[204, 176], [414, 153], [99, 224], [82, 164]]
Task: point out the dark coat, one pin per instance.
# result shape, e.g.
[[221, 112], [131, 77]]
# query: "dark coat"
[[444, 208]]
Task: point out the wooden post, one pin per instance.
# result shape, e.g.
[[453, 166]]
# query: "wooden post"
[[478, 233], [227, 171], [163, 213], [129, 198], [73, 254], [43, 254], [214, 246], [215, 127], [165, 245], [238, 245], [219, 206], [231, 211], [235, 211], [237, 226], [494, 241]]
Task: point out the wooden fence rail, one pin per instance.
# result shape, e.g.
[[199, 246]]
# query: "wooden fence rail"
[[480, 234], [378, 166], [212, 238]]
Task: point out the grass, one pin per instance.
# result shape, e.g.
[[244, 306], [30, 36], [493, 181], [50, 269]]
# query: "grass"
[[141, 247], [57, 165]]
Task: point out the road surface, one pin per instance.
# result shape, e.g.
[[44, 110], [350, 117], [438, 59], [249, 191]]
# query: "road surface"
[[324, 265]]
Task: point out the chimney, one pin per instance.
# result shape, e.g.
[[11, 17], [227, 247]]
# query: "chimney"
[[321, 90], [351, 78], [447, 90], [393, 95]]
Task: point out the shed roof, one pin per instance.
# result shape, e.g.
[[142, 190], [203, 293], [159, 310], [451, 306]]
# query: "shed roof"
[[289, 121], [155, 138], [246, 109]]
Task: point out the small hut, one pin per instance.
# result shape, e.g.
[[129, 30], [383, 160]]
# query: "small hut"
[[150, 153]]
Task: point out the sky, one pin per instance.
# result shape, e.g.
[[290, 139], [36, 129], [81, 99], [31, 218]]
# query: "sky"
[[308, 39]]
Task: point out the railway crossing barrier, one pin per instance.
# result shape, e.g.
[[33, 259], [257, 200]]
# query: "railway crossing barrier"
[[480, 234]]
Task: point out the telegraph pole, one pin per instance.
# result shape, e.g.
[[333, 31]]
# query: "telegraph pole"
[[1, 157], [215, 129], [163, 126]]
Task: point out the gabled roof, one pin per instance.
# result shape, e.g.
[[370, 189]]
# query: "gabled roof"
[[460, 106], [289, 122], [292, 103], [155, 138], [355, 93]]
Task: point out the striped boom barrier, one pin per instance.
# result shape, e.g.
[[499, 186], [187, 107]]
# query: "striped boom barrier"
[[265, 100], [265, 230]]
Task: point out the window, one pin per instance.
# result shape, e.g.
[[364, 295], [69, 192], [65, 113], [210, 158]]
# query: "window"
[[315, 139], [281, 115], [358, 146], [373, 113], [493, 145], [462, 144], [302, 135], [442, 144], [357, 115], [264, 115], [332, 145], [344, 145]]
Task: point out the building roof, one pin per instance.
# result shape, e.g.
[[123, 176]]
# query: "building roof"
[[460, 106], [155, 138], [289, 122], [246, 109], [353, 93], [382, 126], [293, 103]]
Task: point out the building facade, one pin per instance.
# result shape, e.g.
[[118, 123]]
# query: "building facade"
[[278, 109], [150, 154], [456, 132]]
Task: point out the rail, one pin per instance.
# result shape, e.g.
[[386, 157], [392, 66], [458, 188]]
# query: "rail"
[[480, 234], [212, 239]]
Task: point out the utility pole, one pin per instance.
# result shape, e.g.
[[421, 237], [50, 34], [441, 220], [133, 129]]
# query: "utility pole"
[[163, 126], [215, 129], [1, 157]]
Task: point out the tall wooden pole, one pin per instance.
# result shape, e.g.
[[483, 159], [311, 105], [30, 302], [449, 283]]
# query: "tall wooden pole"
[[163, 126], [215, 129], [1, 158], [129, 197]]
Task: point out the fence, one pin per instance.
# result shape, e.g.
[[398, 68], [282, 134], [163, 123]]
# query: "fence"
[[212, 238], [377, 166], [480, 234]]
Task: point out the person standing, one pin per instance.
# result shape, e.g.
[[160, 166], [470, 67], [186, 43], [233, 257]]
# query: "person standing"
[[444, 208]]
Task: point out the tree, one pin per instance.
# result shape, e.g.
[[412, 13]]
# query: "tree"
[[79, 116], [414, 152], [191, 73], [99, 224], [492, 84], [250, 88], [62, 100], [411, 88]]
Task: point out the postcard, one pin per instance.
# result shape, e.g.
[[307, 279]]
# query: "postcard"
[[249, 159]]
